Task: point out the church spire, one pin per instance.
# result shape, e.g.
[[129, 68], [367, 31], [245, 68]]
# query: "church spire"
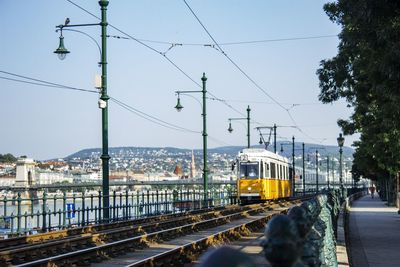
[[192, 167]]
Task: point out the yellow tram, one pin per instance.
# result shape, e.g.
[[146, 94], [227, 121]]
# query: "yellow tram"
[[262, 175]]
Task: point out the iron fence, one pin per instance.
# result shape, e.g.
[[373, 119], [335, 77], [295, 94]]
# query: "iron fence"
[[53, 211]]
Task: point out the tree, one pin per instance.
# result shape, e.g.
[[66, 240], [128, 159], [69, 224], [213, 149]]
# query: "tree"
[[366, 73], [7, 158]]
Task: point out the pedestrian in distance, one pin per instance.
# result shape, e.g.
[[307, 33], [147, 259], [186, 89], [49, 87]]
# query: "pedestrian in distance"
[[372, 190]]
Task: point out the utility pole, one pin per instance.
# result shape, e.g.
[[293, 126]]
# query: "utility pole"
[[61, 51], [327, 170], [340, 141], [274, 138], [304, 173], [248, 126], [179, 107], [205, 166], [316, 169], [294, 168]]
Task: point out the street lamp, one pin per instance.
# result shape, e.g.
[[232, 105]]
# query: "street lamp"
[[230, 129], [61, 52], [340, 141], [179, 107]]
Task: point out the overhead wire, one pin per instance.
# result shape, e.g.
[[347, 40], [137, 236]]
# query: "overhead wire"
[[243, 72], [34, 81], [242, 42], [190, 78], [226, 55], [183, 72], [118, 102], [156, 51], [153, 119]]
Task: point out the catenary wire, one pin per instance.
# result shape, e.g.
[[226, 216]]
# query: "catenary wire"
[[160, 122], [244, 73], [126, 106], [185, 74], [116, 101], [42, 82], [156, 51], [150, 117], [233, 62], [241, 42]]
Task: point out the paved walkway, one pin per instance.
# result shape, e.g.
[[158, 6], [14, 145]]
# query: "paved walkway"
[[374, 232]]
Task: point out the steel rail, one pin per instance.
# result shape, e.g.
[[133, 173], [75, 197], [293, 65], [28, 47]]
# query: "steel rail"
[[206, 242], [98, 252], [85, 238], [6, 244]]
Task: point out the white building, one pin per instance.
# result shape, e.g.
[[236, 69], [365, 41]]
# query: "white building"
[[49, 177]]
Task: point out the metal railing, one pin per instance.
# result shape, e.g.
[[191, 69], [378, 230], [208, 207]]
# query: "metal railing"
[[52, 211]]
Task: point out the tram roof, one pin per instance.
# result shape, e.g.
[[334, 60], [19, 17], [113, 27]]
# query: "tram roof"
[[260, 152]]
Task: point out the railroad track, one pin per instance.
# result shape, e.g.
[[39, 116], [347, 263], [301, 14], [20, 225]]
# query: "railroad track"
[[98, 243]]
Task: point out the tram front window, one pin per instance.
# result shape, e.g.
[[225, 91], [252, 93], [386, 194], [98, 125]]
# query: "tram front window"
[[249, 170]]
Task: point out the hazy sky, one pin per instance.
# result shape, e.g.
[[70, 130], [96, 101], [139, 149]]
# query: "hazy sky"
[[43, 122]]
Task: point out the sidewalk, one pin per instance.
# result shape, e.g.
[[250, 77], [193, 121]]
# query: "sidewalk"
[[374, 233]]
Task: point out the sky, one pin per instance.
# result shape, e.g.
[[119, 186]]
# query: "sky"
[[276, 78]]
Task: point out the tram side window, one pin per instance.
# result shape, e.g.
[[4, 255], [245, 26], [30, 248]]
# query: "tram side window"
[[266, 169], [278, 174], [284, 170], [280, 170], [273, 170]]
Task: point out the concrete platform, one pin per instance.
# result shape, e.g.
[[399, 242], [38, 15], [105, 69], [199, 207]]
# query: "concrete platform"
[[374, 233]]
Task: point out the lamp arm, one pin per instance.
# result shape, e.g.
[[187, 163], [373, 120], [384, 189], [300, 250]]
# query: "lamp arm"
[[198, 101], [84, 33]]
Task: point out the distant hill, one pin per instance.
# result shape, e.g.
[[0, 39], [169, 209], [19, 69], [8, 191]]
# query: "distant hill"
[[311, 148], [230, 150]]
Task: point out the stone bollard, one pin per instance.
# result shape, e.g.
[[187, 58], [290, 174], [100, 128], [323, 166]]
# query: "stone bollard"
[[226, 256], [306, 235], [282, 246]]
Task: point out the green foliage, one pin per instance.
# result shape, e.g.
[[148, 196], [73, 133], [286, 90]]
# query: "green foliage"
[[366, 72], [7, 158]]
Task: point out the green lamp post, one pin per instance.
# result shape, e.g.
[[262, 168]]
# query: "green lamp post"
[[61, 52], [340, 141], [179, 107], [304, 169], [230, 129]]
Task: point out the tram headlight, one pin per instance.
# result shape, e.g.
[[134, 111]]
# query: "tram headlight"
[[249, 188]]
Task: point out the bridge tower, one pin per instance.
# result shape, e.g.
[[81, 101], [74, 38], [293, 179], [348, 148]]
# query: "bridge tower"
[[25, 179], [25, 176]]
